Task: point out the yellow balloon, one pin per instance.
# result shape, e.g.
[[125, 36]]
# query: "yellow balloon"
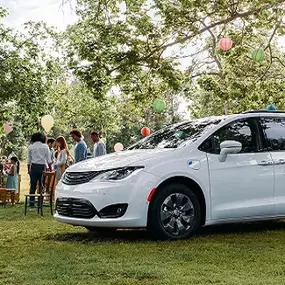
[[47, 122]]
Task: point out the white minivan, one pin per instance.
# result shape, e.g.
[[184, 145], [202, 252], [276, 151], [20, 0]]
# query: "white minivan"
[[203, 172]]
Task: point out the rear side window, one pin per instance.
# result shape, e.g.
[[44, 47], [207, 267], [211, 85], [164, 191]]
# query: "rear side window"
[[243, 131], [274, 131]]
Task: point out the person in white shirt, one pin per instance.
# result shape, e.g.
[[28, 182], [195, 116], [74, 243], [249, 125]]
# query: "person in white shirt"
[[62, 157], [38, 158], [99, 146]]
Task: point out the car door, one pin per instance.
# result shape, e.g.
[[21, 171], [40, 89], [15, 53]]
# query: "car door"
[[274, 131], [242, 185]]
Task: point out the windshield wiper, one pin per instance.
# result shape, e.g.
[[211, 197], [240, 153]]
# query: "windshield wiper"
[[171, 146]]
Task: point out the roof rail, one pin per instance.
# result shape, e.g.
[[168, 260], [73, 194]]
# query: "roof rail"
[[264, 111]]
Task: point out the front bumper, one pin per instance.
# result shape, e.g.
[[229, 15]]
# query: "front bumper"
[[132, 191]]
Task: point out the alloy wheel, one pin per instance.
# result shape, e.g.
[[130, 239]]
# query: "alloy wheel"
[[177, 214]]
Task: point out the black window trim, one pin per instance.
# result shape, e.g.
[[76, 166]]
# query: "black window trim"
[[265, 139], [259, 139]]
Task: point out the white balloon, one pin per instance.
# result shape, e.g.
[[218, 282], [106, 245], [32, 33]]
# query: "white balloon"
[[118, 147], [47, 122]]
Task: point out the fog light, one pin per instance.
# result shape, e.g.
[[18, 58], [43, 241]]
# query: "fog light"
[[113, 211]]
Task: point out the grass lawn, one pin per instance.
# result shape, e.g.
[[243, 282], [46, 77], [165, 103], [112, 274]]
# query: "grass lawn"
[[39, 251]]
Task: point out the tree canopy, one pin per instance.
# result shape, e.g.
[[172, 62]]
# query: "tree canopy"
[[105, 70]]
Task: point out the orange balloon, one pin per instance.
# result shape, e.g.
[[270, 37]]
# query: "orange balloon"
[[145, 131]]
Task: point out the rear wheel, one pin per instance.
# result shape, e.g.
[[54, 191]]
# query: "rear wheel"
[[174, 213]]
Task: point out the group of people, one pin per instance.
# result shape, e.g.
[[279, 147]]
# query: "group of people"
[[80, 151], [48, 155], [10, 168], [53, 154]]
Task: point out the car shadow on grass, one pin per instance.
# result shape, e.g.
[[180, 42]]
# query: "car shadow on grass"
[[243, 228], [98, 237], [142, 235]]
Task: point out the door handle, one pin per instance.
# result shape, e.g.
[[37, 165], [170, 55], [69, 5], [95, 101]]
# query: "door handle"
[[265, 163], [281, 161]]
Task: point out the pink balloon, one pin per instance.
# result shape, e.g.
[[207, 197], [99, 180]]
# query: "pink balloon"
[[8, 128], [225, 44]]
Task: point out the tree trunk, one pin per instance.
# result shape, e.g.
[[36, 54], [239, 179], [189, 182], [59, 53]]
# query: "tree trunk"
[[227, 108]]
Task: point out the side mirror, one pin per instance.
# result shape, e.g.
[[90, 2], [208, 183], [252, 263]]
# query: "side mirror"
[[229, 147]]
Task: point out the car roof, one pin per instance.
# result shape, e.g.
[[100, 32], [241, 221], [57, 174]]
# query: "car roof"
[[240, 115], [264, 112], [224, 118]]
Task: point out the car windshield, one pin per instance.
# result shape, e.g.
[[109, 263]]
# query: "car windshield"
[[177, 135]]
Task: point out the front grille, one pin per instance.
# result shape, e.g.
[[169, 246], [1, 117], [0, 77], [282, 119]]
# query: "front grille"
[[75, 178], [75, 208]]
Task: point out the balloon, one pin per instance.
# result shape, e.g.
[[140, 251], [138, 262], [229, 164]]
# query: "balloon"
[[8, 128], [145, 131], [159, 105], [47, 122], [118, 147], [271, 108], [258, 55], [225, 44]]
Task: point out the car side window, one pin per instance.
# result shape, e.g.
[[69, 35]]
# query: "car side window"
[[243, 131], [274, 131]]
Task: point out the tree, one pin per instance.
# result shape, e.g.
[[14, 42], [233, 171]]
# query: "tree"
[[240, 83], [135, 44], [27, 72]]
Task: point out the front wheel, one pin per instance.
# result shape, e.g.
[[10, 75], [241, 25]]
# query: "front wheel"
[[174, 213]]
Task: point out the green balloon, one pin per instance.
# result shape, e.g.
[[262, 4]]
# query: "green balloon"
[[159, 105], [258, 55]]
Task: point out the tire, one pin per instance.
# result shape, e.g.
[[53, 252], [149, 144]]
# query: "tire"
[[174, 213], [101, 230]]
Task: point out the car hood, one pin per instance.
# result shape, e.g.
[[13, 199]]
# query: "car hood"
[[119, 159]]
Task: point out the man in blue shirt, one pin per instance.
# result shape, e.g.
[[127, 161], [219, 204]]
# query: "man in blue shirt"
[[80, 151]]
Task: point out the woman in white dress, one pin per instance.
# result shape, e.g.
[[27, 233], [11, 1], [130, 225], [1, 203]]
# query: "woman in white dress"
[[62, 156]]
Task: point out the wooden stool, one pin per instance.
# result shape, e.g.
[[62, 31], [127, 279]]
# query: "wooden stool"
[[7, 195]]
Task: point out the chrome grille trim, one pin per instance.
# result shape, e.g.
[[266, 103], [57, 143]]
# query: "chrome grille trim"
[[75, 208], [76, 178]]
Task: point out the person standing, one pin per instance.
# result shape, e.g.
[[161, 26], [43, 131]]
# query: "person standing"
[[99, 146], [50, 143], [62, 158], [13, 173], [80, 151], [38, 158]]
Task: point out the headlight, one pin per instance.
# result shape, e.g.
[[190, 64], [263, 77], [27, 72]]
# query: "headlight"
[[117, 174]]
